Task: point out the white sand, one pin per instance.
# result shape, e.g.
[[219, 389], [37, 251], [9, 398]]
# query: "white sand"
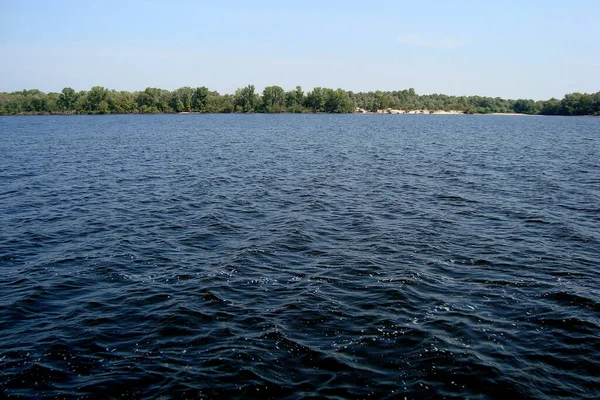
[[393, 111], [425, 112]]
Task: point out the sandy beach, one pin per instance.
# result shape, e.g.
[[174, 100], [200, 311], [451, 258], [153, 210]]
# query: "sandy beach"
[[429, 112], [394, 111]]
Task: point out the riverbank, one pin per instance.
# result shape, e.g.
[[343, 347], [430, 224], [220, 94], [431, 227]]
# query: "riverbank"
[[427, 112], [359, 111], [274, 99]]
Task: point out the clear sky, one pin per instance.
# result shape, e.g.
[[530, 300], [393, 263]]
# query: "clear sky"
[[513, 49]]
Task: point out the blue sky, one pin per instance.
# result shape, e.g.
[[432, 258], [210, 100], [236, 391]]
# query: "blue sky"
[[513, 49]]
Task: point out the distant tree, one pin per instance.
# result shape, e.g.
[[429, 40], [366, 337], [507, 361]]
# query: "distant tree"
[[96, 100], [181, 99], [294, 100], [51, 102], [122, 102], [246, 99], [273, 99], [216, 103], [67, 99], [99, 100], [315, 100], [199, 99], [596, 103], [299, 94], [578, 104], [338, 101], [35, 102], [523, 106]]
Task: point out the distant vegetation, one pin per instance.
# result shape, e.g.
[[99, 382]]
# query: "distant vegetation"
[[274, 99]]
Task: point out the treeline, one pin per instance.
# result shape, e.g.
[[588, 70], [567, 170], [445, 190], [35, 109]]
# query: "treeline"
[[274, 99]]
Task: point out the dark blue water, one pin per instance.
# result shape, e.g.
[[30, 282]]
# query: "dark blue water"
[[283, 256]]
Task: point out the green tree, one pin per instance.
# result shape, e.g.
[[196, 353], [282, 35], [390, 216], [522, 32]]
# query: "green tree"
[[246, 99], [315, 99], [52, 102], [154, 100], [578, 104], [294, 100], [200, 98], [181, 99], [122, 102], [273, 99], [523, 106], [67, 99], [338, 101], [215, 103], [94, 101]]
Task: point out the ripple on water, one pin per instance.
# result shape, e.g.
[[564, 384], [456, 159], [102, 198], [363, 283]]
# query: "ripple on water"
[[295, 256]]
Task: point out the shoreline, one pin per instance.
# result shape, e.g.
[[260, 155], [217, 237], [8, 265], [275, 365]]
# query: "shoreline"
[[275, 99], [390, 111], [357, 112], [410, 112]]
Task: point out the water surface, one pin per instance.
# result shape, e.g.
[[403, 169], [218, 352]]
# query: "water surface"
[[295, 256]]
